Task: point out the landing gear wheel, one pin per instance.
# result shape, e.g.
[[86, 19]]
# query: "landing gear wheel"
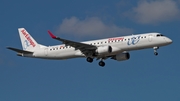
[[155, 50], [89, 59], [156, 53], [101, 63]]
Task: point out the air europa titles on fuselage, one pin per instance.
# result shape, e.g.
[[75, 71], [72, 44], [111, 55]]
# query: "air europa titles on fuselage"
[[112, 39], [62, 46], [28, 38]]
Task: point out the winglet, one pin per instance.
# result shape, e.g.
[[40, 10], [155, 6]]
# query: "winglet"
[[52, 35]]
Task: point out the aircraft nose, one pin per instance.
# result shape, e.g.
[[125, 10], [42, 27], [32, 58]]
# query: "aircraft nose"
[[168, 40]]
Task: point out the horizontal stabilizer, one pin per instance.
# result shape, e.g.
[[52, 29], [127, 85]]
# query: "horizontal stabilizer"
[[19, 50]]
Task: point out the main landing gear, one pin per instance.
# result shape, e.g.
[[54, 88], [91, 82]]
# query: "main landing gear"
[[155, 50], [101, 63], [89, 59]]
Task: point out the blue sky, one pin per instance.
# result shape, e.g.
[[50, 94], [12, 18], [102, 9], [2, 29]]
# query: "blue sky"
[[144, 77]]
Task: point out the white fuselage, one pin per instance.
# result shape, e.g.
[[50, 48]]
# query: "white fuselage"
[[118, 44], [115, 48]]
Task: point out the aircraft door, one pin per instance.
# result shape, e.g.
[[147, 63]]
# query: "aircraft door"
[[150, 37], [46, 51]]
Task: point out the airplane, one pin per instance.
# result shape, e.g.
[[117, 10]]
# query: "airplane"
[[116, 48]]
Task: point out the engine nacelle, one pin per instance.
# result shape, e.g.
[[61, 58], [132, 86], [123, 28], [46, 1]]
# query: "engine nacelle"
[[121, 57], [104, 50]]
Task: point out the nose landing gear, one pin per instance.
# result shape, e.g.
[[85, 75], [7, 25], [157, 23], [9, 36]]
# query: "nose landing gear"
[[155, 50]]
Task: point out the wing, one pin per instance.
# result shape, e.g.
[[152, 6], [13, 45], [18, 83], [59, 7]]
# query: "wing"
[[84, 48], [19, 50]]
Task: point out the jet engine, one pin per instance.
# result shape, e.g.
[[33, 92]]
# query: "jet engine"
[[121, 56], [104, 50]]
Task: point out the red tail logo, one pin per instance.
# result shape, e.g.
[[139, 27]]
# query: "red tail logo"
[[28, 38]]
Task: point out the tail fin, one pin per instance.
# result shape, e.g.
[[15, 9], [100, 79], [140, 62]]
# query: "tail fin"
[[27, 41]]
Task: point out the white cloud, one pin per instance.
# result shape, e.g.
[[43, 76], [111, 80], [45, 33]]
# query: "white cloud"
[[156, 11], [91, 26]]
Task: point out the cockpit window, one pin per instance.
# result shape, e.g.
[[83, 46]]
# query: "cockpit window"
[[158, 35]]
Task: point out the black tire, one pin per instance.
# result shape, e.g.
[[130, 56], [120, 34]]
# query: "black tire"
[[155, 53], [101, 63], [89, 60]]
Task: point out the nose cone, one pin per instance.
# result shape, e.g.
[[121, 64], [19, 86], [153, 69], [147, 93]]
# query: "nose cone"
[[168, 40]]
